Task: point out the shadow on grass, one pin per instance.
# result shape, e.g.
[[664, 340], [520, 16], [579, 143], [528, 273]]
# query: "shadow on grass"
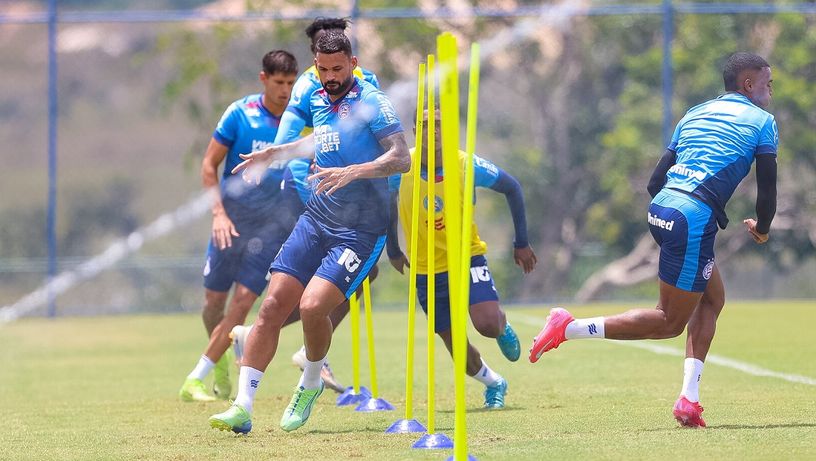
[[761, 426], [485, 410], [734, 426]]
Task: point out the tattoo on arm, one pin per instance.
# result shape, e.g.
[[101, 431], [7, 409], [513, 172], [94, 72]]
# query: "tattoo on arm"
[[396, 158]]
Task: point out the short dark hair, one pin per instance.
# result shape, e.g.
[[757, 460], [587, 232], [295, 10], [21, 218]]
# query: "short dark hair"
[[736, 64], [333, 41], [279, 61], [326, 24]]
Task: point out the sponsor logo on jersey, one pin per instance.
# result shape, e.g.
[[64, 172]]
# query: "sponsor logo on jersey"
[[661, 223], [326, 139], [438, 204], [683, 170]]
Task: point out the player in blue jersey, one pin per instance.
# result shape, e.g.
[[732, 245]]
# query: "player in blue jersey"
[[357, 143], [485, 312], [247, 229], [296, 120], [711, 151]]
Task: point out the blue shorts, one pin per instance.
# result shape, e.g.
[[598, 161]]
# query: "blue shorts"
[[344, 258], [247, 260], [684, 227], [482, 289]]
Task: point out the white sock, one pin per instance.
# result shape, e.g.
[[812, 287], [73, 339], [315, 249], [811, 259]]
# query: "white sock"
[[486, 376], [692, 373], [248, 381], [585, 328], [310, 379], [202, 369]]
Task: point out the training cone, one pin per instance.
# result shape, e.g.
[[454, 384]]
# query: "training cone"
[[372, 404], [405, 426], [433, 442], [349, 397]]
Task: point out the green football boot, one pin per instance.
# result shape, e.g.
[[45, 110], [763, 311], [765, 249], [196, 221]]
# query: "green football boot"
[[194, 390], [300, 407], [221, 384], [235, 419]]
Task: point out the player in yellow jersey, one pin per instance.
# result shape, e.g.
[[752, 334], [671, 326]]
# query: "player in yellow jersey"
[[485, 313]]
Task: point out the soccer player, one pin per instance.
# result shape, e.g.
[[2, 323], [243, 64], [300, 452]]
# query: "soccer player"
[[485, 313], [711, 151], [295, 123], [246, 232], [357, 143]]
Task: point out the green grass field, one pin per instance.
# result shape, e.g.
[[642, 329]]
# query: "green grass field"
[[105, 388]]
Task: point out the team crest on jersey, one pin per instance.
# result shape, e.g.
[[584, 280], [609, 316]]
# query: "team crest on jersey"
[[437, 204], [708, 270], [344, 110]]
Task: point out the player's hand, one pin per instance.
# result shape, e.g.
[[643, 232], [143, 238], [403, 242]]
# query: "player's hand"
[[400, 262], [525, 258], [751, 225], [331, 178], [223, 230], [254, 165]]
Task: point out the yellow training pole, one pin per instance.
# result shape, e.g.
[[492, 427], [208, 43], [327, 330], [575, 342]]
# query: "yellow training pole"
[[430, 203], [460, 348], [449, 93], [372, 362], [413, 251], [354, 313]]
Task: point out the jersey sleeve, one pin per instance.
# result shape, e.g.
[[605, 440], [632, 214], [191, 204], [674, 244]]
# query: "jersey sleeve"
[[768, 138], [485, 173], [290, 128], [384, 121], [226, 132], [675, 137], [301, 97]]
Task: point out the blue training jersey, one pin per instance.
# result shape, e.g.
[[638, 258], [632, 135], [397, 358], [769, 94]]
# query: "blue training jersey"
[[306, 84], [715, 143], [247, 126], [348, 132], [295, 179]]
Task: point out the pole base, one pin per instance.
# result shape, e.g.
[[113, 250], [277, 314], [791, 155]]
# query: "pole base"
[[349, 397], [470, 458], [372, 404], [405, 426], [433, 442]]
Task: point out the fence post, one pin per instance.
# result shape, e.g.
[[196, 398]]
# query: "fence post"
[[51, 216]]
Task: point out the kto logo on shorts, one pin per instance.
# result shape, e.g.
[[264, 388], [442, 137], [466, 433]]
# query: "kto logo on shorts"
[[349, 259], [708, 270], [480, 274]]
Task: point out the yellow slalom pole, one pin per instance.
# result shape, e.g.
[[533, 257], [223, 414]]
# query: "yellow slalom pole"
[[430, 202], [449, 92], [460, 427], [412, 249], [372, 362], [354, 313]]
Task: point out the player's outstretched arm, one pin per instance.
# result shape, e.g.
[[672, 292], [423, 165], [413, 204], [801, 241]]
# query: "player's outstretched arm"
[[396, 159], [256, 162], [658, 178], [523, 254], [766, 198]]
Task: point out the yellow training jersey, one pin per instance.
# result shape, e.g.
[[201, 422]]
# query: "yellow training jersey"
[[477, 245]]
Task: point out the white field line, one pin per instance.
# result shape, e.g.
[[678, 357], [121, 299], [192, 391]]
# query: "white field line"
[[744, 367]]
